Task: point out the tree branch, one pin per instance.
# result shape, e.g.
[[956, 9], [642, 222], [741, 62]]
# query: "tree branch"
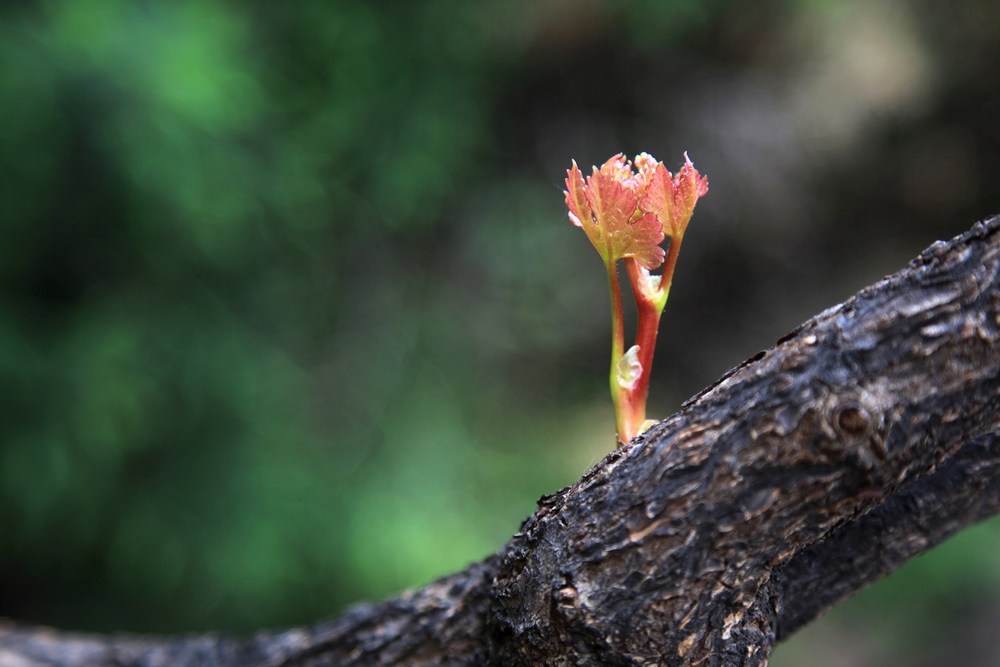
[[964, 490], [863, 438]]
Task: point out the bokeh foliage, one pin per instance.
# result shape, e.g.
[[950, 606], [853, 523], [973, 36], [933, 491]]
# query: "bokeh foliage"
[[290, 312], [193, 193], [236, 384]]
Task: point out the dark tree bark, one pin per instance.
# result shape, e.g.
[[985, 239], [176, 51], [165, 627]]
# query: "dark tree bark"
[[863, 438]]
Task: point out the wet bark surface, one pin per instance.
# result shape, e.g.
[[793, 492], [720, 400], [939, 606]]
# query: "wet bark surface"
[[858, 441]]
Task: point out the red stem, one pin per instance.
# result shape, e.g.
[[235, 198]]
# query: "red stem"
[[645, 337], [671, 262]]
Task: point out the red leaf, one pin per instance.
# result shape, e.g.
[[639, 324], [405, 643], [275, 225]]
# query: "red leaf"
[[607, 207], [579, 207], [673, 199], [641, 239]]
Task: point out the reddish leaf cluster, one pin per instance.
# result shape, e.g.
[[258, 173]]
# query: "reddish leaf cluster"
[[627, 210], [628, 213]]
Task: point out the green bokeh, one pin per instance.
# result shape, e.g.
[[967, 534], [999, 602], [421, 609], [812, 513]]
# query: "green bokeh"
[[236, 380]]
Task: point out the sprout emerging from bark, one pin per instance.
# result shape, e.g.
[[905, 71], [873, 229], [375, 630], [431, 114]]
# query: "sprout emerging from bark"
[[627, 209]]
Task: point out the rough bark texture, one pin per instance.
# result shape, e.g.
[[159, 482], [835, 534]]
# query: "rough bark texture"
[[965, 489], [863, 438]]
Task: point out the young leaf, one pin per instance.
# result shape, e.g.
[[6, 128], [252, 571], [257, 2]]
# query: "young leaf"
[[672, 198], [579, 208], [606, 206]]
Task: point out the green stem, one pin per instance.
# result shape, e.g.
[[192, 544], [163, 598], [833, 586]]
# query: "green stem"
[[618, 393]]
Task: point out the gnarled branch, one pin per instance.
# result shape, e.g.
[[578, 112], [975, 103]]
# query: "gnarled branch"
[[863, 438]]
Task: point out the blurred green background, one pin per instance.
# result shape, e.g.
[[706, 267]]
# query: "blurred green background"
[[291, 314]]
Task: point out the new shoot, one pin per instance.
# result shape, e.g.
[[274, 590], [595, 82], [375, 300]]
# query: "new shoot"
[[627, 210]]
